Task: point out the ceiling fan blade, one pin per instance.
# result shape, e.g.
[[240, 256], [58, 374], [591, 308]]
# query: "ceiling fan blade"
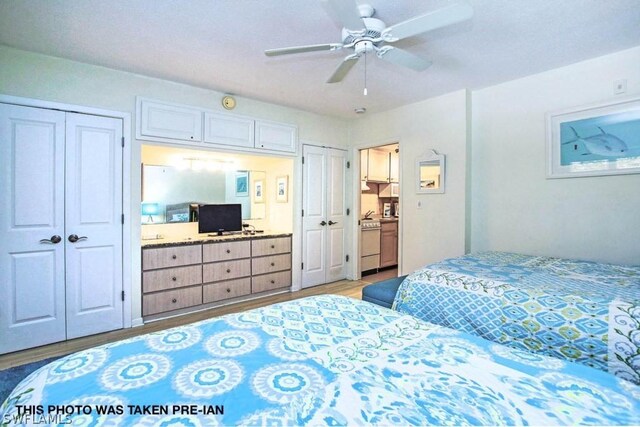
[[342, 70], [429, 21], [404, 58], [348, 13], [302, 49]]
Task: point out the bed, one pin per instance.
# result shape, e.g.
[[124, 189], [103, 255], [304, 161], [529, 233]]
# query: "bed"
[[575, 310], [324, 360]]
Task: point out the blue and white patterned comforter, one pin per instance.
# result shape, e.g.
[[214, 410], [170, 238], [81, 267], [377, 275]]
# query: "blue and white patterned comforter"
[[576, 310], [327, 360]]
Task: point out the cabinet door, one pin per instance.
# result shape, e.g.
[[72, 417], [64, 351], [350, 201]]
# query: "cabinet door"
[[394, 167], [32, 277], [276, 136], [364, 164], [227, 129], [164, 120], [389, 244], [378, 166]]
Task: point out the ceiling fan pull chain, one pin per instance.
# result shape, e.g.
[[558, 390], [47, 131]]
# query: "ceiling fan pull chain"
[[365, 73]]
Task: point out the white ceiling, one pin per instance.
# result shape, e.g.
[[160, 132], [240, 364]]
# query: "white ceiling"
[[219, 44]]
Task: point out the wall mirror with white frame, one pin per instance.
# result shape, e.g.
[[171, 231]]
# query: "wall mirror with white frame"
[[430, 173]]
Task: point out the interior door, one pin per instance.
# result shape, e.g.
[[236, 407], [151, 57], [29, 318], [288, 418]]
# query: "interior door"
[[314, 196], [336, 218], [32, 291], [93, 236]]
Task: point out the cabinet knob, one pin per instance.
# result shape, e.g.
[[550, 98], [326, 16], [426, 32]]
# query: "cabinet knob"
[[273, 246], [273, 264], [228, 251], [174, 278], [228, 290], [228, 270], [174, 256], [273, 281], [174, 300]]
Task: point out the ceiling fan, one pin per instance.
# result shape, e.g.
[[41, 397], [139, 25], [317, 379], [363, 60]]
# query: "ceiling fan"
[[363, 33]]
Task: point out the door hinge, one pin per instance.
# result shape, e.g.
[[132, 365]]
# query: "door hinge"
[[348, 211], [123, 142], [347, 258], [122, 295], [302, 266], [302, 212], [348, 165], [358, 222], [122, 219], [303, 160]]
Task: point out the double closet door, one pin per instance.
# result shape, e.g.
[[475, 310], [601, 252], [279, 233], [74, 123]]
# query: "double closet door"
[[61, 219], [324, 220]]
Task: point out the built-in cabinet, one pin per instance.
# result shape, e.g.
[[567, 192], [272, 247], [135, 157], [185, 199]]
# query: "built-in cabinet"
[[364, 165], [389, 190], [183, 124], [62, 220], [378, 166], [194, 275], [389, 244], [394, 167]]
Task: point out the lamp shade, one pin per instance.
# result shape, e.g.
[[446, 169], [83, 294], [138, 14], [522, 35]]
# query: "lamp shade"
[[150, 209]]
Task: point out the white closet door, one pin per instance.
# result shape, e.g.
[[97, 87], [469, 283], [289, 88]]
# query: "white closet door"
[[314, 179], [336, 218], [32, 291], [93, 214]]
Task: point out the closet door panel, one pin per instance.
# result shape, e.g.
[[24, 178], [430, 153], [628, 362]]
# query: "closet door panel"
[[32, 289], [336, 218], [93, 224]]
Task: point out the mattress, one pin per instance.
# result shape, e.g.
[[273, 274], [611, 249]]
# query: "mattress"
[[324, 360], [580, 311]]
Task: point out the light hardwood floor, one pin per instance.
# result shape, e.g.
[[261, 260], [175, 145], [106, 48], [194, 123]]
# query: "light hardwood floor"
[[344, 287]]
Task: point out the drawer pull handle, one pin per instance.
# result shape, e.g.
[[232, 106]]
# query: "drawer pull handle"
[[228, 251], [228, 290], [273, 281], [228, 270], [174, 278], [273, 246], [174, 256], [273, 264], [174, 300]]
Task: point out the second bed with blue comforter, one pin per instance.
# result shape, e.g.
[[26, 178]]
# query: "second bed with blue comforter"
[[325, 360], [576, 310]]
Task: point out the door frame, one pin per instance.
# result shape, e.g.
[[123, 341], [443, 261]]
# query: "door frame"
[[355, 201], [127, 238], [299, 204]]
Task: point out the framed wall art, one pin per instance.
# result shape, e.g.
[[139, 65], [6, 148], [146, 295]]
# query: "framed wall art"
[[602, 139], [282, 189]]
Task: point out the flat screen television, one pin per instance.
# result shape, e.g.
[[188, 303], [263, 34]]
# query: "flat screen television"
[[219, 218]]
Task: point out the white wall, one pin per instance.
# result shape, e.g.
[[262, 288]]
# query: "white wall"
[[514, 207], [437, 230], [33, 75]]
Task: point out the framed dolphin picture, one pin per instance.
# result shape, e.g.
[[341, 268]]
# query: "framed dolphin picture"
[[602, 139]]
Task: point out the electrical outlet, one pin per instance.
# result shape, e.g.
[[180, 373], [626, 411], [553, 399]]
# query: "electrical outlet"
[[419, 204], [619, 86]]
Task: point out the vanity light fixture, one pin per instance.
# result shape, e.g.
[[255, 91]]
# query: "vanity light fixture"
[[200, 163], [360, 110]]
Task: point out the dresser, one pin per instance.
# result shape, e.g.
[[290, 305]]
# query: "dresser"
[[179, 276]]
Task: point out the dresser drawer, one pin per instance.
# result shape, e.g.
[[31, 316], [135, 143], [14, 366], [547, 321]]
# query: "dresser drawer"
[[267, 282], [278, 245], [224, 290], [226, 270], [171, 278], [270, 264], [171, 300], [173, 256], [223, 251]]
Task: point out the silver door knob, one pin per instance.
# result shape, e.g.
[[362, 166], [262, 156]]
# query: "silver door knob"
[[74, 238], [53, 240]]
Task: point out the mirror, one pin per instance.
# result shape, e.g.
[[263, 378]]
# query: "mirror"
[[430, 173], [171, 195]]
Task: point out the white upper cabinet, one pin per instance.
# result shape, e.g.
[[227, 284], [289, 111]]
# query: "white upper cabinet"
[[276, 136], [171, 121], [364, 164], [394, 167], [378, 165], [228, 129]]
